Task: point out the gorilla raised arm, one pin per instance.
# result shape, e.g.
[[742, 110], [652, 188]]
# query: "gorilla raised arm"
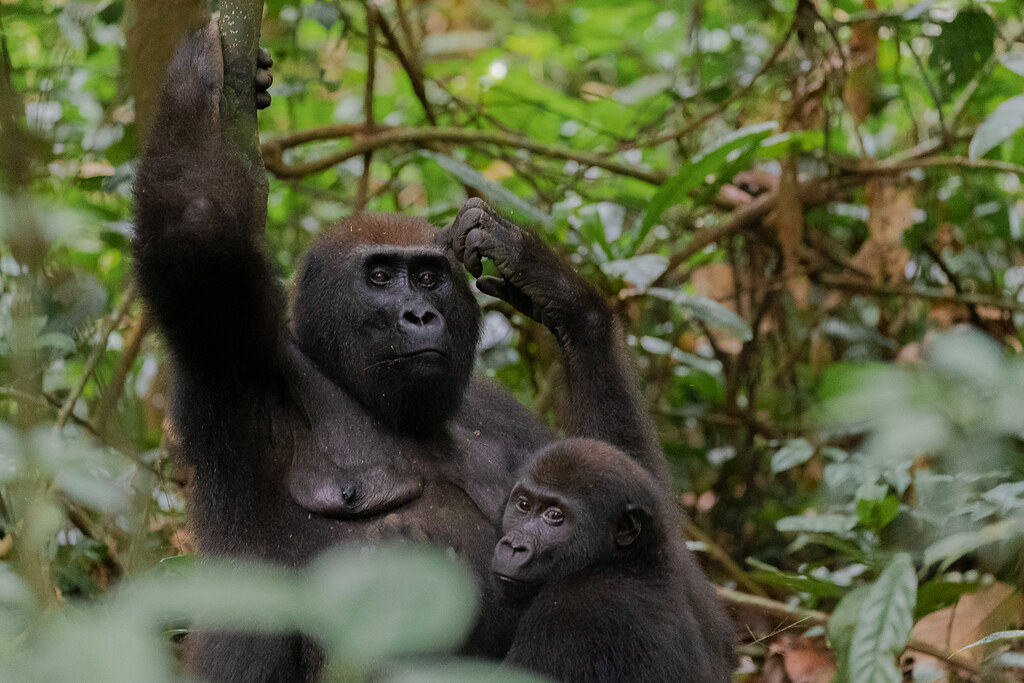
[[359, 419]]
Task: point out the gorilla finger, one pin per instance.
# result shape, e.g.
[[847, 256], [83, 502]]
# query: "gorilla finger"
[[480, 245], [465, 222], [262, 99], [263, 58], [473, 262], [493, 286], [264, 79]]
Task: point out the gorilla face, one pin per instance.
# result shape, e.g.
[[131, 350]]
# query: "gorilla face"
[[395, 325]]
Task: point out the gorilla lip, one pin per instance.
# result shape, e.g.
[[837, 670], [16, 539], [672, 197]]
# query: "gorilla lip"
[[509, 581], [425, 353]]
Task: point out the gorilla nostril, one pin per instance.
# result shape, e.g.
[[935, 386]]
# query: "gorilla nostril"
[[348, 492], [420, 318]]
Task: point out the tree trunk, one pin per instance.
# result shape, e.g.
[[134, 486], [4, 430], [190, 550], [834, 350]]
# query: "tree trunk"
[[240, 36]]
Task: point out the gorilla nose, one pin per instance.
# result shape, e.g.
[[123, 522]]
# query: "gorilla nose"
[[420, 317], [515, 545]]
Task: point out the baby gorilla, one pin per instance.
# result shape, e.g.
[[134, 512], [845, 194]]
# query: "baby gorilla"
[[593, 555]]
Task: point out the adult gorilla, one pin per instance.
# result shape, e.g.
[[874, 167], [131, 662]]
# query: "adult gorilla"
[[359, 420]]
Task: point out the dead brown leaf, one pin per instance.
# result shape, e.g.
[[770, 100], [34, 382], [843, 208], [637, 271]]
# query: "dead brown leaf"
[[891, 213], [973, 617]]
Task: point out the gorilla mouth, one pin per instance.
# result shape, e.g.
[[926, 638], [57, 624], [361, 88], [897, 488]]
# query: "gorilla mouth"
[[425, 354], [509, 581], [516, 588]]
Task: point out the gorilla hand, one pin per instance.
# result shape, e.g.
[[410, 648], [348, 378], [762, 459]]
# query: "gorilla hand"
[[531, 277], [263, 78]]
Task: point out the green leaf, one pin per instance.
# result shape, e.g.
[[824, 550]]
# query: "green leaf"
[[964, 45], [817, 523], [951, 548], [883, 624], [640, 271], [494, 191], [917, 10], [779, 145], [691, 175], [842, 624], [460, 672], [876, 514], [1001, 124], [388, 601], [942, 591], [795, 452], [713, 313], [766, 573], [994, 638]]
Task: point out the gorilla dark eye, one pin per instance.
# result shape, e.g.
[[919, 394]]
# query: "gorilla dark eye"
[[379, 276], [522, 504], [428, 279], [553, 516]]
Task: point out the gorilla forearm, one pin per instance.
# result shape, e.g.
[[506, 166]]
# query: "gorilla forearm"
[[198, 258], [603, 400], [602, 396]]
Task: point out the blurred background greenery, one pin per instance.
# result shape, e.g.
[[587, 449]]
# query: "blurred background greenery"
[[807, 212]]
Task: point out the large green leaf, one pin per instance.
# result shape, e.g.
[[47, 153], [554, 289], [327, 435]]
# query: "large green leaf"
[[713, 313], [494, 191], [964, 45], [692, 174], [883, 624], [947, 550], [794, 452], [1001, 124]]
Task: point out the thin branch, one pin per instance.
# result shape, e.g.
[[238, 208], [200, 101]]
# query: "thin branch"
[[869, 289], [111, 322], [936, 162], [273, 150], [931, 89], [954, 280], [716, 552], [415, 76], [108, 400], [736, 95], [811, 192], [931, 146]]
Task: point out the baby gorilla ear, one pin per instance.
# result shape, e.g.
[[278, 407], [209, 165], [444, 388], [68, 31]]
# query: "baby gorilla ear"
[[631, 524]]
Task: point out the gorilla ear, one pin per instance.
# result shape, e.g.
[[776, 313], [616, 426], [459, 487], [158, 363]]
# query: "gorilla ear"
[[630, 525]]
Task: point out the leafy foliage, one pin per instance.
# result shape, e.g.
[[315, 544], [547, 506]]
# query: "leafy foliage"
[[797, 206]]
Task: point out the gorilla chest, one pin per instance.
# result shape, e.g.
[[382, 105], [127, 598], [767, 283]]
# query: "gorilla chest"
[[442, 515]]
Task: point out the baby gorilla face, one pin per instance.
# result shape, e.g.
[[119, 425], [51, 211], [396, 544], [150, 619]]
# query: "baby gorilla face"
[[578, 505]]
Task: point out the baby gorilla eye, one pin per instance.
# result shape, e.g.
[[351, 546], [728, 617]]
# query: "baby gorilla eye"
[[379, 276], [428, 279], [553, 516], [522, 504]]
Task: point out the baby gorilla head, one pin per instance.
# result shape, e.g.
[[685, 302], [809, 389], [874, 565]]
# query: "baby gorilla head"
[[581, 503]]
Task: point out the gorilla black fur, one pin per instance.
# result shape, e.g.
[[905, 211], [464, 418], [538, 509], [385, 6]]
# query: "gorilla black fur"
[[359, 419], [592, 547]]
